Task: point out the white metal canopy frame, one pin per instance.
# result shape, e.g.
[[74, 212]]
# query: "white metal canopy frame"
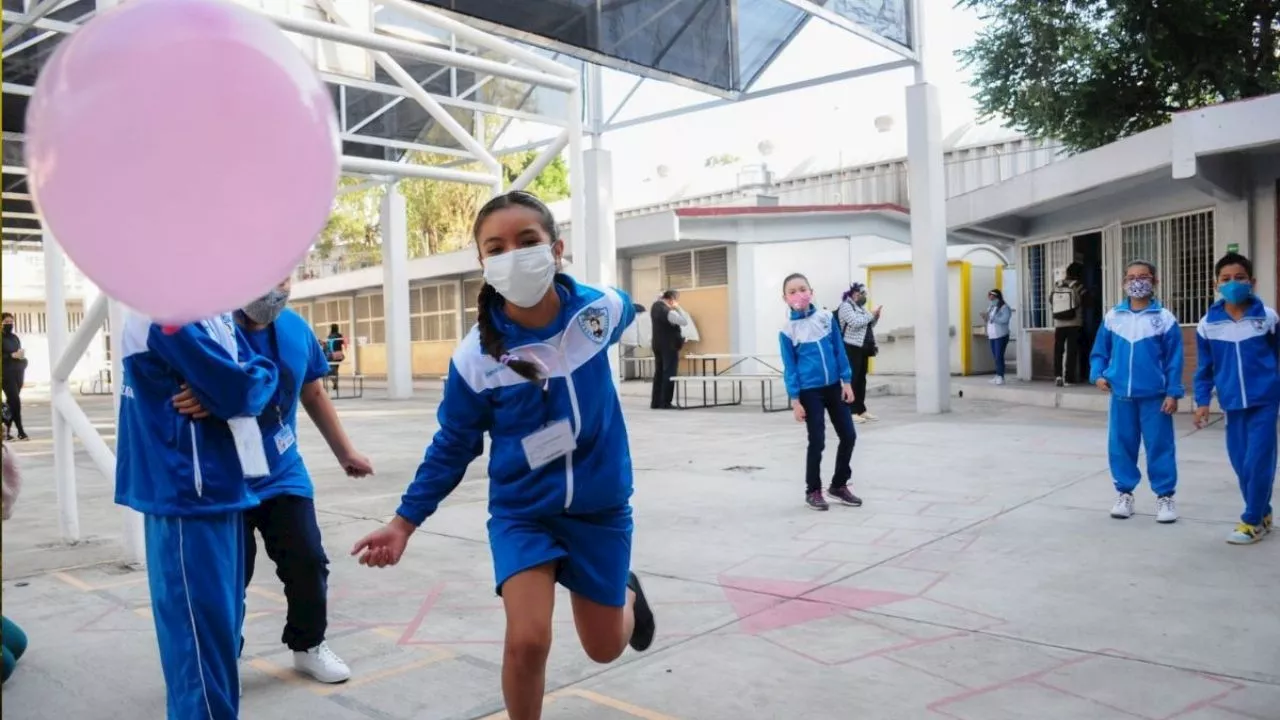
[[593, 220]]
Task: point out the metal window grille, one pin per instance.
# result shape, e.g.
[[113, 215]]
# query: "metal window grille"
[[431, 313], [1040, 260], [1181, 248], [711, 267], [677, 271]]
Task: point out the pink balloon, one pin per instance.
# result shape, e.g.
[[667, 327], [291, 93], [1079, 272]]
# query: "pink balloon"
[[184, 153]]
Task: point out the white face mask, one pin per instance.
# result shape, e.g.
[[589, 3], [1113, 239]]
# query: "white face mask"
[[521, 276]]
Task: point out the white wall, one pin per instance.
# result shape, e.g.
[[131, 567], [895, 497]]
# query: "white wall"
[[759, 268], [1264, 173]]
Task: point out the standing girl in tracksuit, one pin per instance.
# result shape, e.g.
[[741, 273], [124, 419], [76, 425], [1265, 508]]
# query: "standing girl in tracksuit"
[[1238, 346], [534, 374], [187, 477], [816, 372], [1137, 357]]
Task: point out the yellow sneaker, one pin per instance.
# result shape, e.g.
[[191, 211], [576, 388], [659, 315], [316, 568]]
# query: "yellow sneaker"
[[1246, 534]]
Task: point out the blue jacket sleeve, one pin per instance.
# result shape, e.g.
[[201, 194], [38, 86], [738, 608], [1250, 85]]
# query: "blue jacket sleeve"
[[464, 416], [227, 387], [1100, 358], [1171, 345], [841, 357], [789, 377], [624, 322], [1203, 379], [1004, 315]]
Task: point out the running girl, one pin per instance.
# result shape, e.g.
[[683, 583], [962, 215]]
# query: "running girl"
[[817, 375], [534, 374]]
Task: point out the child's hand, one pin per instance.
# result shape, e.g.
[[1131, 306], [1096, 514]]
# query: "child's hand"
[[1202, 416], [1170, 406], [1103, 385], [798, 410], [846, 393]]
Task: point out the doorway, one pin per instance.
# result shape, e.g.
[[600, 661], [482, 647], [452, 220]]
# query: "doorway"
[[1086, 249]]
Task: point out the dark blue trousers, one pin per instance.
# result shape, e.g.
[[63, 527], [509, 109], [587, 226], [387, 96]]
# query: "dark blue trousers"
[[817, 403], [292, 539]]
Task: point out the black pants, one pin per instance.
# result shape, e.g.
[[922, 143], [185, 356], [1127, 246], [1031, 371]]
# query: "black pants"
[[292, 538], [665, 365], [1066, 349], [858, 362], [12, 386], [818, 402]]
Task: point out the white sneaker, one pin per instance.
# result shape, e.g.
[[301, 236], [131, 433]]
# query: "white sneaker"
[[998, 381], [860, 419], [1166, 510], [322, 664], [1123, 509]]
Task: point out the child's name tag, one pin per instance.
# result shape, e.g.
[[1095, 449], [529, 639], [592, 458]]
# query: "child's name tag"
[[284, 439], [550, 443]]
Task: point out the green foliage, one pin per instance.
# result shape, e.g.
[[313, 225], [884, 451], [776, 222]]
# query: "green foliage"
[[550, 185], [1088, 72], [721, 159]]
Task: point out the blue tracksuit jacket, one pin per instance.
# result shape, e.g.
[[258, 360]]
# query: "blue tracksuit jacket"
[[813, 354], [1139, 353], [482, 395], [1239, 358], [168, 464]]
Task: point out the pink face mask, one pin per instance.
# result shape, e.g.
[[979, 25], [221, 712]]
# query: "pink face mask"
[[800, 301]]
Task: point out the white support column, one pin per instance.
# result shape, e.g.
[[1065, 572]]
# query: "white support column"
[[131, 530], [64, 452], [598, 228], [395, 295], [929, 250]]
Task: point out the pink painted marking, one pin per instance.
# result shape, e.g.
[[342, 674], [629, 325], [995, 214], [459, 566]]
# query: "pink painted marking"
[[857, 598]]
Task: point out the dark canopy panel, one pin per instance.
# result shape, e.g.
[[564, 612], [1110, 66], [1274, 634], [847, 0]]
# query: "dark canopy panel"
[[719, 45]]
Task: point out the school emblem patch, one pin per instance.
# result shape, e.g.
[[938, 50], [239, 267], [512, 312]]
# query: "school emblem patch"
[[1157, 323], [594, 323], [1259, 325]]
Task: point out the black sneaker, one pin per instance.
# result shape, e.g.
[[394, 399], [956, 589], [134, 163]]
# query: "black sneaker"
[[845, 496], [815, 501], [642, 631]]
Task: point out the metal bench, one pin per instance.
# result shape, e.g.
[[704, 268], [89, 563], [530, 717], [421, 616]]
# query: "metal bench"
[[354, 383], [734, 395]]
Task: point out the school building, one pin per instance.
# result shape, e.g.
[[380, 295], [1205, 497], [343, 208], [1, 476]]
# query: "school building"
[[1179, 196], [724, 237]]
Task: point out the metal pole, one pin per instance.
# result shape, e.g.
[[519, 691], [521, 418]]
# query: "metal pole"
[[428, 103], [577, 184], [132, 532], [94, 316], [540, 163], [370, 41], [368, 166], [64, 454]]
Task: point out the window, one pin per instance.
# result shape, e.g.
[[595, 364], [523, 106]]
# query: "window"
[[370, 323], [471, 296], [303, 309], [433, 312], [1039, 261], [328, 312], [696, 269], [1181, 248]]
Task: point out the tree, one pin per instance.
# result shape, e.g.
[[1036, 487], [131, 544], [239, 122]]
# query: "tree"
[[720, 160], [550, 185], [354, 224], [1088, 72]]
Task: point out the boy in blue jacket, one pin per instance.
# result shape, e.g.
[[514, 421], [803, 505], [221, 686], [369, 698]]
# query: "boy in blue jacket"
[[188, 478], [1238, 348], [816, 371], [1137, 357]]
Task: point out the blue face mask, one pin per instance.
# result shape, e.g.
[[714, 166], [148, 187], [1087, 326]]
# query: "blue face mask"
[[1236, 292]]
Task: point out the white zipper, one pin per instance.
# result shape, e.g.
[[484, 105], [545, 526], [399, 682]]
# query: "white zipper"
[[822, 355], [195, 462], [1244, 395], [1133, 346], [573, 403]]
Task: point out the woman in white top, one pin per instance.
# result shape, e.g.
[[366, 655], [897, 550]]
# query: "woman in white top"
[[857, 326], [998, 316]]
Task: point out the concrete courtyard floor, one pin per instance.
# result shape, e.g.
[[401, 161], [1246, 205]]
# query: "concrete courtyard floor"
[[983, 580]]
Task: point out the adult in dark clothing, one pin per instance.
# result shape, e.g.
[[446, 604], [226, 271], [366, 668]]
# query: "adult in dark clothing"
[[857, 329], [13, 372], [667, 341], [335, 351], [1067, 304]]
